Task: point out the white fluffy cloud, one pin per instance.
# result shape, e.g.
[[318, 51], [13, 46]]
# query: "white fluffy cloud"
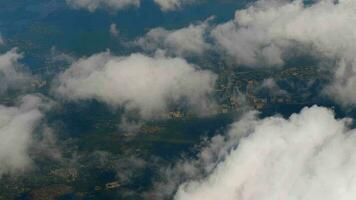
[[186, 41], [264, 33], [170, 5], [266, 29], [138, 82], [343, 88], [92, 5], [12, 74], [311, 155], [17, 125]]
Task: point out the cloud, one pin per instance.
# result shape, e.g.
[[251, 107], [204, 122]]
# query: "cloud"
[[93, 5], [12, 74], [17, 126], [1, 40], [270, 31], [137, 82], [311, 155], [342, 89], [57, 56], [114, 31], [185, 41], [210, 153], [171, 5], [272, 87], [46, 145], [268, 22]]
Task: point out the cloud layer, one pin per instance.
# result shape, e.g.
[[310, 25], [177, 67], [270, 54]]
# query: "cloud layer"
[[184, 42], [92, 5], [138, 82], [17, 125], [12, 74], [311, 155], [170, 5]]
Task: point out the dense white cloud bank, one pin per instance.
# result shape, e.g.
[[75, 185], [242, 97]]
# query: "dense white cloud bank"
[[269, 27], [269, 31], [186, 41], [12, 74], [311, 155], [17, 125], [170, 5], [92, 5], [138, 82]]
